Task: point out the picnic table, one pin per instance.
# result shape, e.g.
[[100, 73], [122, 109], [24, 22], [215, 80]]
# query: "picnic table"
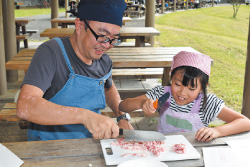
[[64, 22], [137, 33], [83, 152], [127, 59], [21, 23], [134, 10]]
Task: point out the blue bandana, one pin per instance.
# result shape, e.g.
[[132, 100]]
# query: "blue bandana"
[[108, 11]]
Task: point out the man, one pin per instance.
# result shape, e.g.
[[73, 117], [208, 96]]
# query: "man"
[[69, 79]]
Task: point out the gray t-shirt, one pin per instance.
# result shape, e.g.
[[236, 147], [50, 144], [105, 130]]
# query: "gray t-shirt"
[[49, 72]]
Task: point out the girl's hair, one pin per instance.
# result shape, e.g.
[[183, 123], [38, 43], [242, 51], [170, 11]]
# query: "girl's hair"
[[189, 75]]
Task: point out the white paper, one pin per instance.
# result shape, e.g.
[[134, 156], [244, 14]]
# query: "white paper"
[[221, 157], [242, 149], [8, 158], [242, 143]]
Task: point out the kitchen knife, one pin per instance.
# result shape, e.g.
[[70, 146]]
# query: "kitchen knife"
[[159, 102], [140, 135]]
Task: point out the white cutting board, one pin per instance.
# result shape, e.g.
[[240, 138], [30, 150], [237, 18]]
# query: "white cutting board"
[[168, 155]]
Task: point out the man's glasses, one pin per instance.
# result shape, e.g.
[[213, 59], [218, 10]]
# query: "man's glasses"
[[104, 39]]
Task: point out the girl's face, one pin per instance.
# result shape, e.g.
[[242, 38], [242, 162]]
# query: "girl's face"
[[184, 94]]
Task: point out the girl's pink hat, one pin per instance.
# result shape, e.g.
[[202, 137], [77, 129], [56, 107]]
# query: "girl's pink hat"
[[197, 60]]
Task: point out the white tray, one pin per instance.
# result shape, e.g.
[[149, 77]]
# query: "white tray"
[[169, 155]]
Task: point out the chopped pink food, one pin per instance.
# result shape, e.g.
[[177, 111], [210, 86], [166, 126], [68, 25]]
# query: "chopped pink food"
[[179, 148], [143, 154], [156, 147]]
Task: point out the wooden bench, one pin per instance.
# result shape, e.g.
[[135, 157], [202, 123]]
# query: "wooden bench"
[[21, 23], [8, 113], [132, 13], [27, 33], [143, 73], [20, 38], [30, 32], [140, 34]]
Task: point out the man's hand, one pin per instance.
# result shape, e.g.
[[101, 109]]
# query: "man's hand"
[[100, 126]]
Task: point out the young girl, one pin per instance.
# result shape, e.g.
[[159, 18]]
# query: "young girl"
[[189, 107]]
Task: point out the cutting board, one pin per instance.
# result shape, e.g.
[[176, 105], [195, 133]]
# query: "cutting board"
[[115, 158]]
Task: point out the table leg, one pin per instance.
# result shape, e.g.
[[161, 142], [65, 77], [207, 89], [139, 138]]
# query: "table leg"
[[25, 41], [64, 25], [17, 41], [166, 76], [140, 42]]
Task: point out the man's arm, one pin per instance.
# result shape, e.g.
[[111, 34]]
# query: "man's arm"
[[33, 107], [113, 100]]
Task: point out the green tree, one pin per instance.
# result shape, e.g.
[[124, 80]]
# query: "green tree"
[[236, 5]]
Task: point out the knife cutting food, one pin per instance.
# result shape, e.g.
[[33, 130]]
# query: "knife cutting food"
[[140, 135]]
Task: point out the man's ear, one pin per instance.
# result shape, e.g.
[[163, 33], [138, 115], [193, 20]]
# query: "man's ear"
[[79, 25]]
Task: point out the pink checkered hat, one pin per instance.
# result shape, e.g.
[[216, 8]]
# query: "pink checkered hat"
[[197, 60]]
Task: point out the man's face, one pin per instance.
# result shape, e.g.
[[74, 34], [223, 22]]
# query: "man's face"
[[91, 49]]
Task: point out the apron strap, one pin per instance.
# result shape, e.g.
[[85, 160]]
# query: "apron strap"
[[59, 41]]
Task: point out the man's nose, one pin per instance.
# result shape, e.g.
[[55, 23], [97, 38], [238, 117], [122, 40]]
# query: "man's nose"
[[106, 45]]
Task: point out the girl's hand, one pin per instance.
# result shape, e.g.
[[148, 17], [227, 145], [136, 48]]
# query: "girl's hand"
[[206, 134], [148, 107], [124, 124]]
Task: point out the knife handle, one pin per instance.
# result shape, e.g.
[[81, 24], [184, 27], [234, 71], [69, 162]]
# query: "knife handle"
[[120, 131], [155, 104]]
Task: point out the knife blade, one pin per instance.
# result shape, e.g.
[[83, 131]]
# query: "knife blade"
[[159, 102], [140, 135]]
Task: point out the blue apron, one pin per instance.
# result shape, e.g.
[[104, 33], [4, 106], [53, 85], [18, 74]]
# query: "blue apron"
[[79, 91]]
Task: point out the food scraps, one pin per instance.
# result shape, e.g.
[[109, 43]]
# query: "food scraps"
[[155, 147], [179, 148]]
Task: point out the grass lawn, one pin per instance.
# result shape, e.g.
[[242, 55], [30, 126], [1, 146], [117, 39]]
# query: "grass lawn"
[[34, 11], [213, 31]]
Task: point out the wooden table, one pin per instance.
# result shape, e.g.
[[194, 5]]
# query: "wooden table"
[[21, 23], [137, 33], [64, 22], [82, 152], [133, 57], [134, 10]]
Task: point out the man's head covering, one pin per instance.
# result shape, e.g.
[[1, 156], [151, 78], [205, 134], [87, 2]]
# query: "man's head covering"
[[197, 60], [108, 11]]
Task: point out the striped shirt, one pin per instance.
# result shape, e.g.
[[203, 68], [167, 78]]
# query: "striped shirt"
[[208, 114]]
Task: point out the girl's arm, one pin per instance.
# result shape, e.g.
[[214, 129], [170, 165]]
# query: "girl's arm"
[[140, 102], [131, 104], [236, 123]]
